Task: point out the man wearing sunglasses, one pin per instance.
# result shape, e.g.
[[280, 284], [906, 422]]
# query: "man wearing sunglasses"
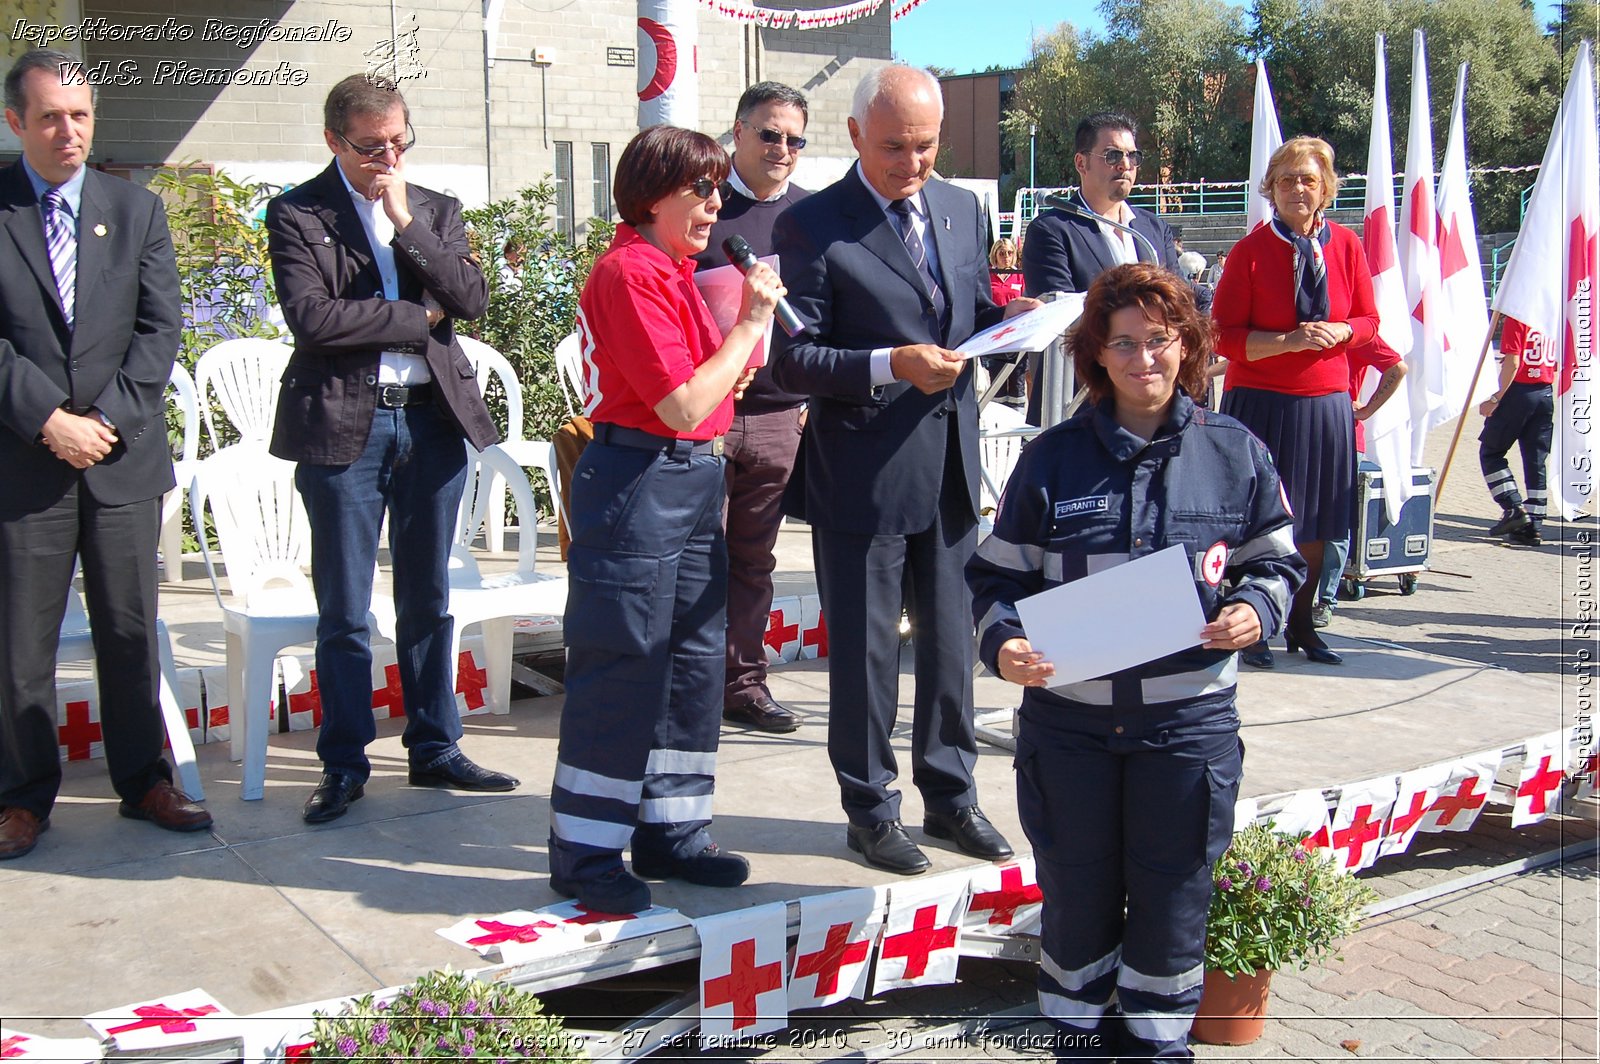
[[371, 270], [760, 446], [1065, 253]]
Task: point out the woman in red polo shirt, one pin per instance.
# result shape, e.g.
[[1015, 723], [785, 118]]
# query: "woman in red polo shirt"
[[648, 566], [1294, 297]]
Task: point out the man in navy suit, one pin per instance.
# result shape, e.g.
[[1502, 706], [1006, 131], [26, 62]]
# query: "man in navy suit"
[[888, 271], [1064, 253]]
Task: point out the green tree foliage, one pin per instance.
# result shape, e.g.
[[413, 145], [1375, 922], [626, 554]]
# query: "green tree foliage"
[[1052, 92]]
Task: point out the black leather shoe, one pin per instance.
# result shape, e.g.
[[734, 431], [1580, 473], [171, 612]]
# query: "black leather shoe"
[[1316, 650], [614, 892], [887, 846], [1258, 656], [970, 830], [763, 715], [711, 867], [1510, 521], [1526, 536], [332, 798], [460, 773]]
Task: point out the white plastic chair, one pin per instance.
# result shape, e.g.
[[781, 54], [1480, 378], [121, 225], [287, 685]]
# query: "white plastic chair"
[[265, 539], [529, 454], [1001, 433], [77, 644], [494, 600], [180, 394], [569, 368], [246, 375]]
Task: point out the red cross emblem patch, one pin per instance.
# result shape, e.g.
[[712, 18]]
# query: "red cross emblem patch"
[[1213, 563]]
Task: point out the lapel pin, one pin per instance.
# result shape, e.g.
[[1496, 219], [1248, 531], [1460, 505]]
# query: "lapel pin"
[[947, 225], [100, 229]]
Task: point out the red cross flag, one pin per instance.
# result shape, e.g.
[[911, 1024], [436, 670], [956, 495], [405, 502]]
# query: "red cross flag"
[[1304, 815], [1358, 820], [473, 697], [506, 935], [1265, 139], [742, 990], [1004, 899], [591, 928], [191, 698], [1463, 795], [388, 700], [177, 1019], [78, 721], [1419, 260], [782, 637], [15, 1045], [1543, 771], [834, 949], [921, 934], [302, 691], [1414, 796], [813, 629]]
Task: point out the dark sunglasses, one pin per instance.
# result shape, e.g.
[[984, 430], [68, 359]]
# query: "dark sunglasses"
[[1115, 158], [382, 149], [772, 136], [703, 187]]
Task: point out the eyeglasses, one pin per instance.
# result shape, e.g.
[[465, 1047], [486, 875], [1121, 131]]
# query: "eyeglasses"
[[1289, 182], [382, 149], [1116, 158], [1155, 345], [703, 187], [772, 136]]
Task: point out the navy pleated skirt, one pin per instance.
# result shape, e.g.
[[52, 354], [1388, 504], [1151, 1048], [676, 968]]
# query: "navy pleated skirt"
[[1312, 440]]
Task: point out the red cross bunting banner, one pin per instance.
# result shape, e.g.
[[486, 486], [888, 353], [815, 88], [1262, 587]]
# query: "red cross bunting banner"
[[921, 939], [388, 700], [742, 961], [16, 1045], [191, 699], [1004, 899], [174, 1020], [782, 637], [1356, 830], [834, 947], [1464, 793], [1415, 794], [813, 629], [592, 928], [513, 937], [472, 680], [1544, 767], [1304, 815], [78, 734]]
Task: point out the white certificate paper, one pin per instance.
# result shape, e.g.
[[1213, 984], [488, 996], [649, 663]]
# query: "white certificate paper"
[[1034, 330], [722, 289], [1117, 618]]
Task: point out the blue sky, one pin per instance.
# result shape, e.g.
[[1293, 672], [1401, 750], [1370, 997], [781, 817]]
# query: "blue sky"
[[968, 35]]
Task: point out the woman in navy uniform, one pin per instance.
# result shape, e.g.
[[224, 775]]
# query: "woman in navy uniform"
[[648, 567], [1126, 783]]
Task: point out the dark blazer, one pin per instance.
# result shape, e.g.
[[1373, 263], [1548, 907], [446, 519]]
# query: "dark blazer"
[[332, 297], [118, 358], [1062, 253], [872, 460]]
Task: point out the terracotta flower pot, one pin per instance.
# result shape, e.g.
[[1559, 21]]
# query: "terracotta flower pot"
[[1233, 1011]]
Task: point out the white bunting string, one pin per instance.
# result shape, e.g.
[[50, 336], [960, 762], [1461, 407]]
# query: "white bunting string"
[[790, 18]]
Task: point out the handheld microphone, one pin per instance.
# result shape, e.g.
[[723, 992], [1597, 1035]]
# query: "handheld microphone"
[[1071, 206], [743, 257]]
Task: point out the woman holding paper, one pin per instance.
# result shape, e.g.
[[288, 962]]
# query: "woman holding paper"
[[1294, 298], [1126, 782], [648, 566]]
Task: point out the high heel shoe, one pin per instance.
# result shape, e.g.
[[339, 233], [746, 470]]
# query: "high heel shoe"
[[1316, 650]]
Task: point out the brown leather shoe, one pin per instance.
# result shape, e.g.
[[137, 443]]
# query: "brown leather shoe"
[[167, 807], [19, 831]]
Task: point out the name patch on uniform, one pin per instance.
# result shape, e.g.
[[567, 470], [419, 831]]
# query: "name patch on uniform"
[[1091, 504]]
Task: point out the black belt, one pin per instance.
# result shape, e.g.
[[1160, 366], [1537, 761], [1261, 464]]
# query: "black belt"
[[621, 436], [395, 396]]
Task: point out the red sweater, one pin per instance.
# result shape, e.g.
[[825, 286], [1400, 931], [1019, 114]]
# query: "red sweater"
[[1256, 293]]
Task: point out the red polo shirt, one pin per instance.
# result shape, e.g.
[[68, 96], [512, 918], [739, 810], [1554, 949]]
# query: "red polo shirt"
[[1536, 353], [643, 328]]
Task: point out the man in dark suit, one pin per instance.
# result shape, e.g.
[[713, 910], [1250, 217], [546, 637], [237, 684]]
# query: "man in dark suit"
[[88, 334], [377, 399], [888, 271], [1065, 253]]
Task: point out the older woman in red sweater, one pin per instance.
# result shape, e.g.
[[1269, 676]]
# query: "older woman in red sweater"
[[1295, 296]]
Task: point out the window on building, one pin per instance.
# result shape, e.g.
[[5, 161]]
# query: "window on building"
[[564, 210], [602, 180]]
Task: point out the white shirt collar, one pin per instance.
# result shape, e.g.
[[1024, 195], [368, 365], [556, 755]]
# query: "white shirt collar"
[[917, 206], [744, 190]]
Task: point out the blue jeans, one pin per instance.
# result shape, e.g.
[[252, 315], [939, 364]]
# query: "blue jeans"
[[415, 467], [1334, 556]]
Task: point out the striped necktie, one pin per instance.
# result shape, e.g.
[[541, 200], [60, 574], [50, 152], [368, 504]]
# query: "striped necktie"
[[62, 232], [919, 255]]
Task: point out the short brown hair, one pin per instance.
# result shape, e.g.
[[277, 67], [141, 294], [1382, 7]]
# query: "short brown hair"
[[359, 94], [1298, 149], [659, 161], [1164, 297]]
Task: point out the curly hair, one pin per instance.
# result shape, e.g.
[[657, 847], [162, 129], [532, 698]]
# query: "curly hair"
[[1163, 296]]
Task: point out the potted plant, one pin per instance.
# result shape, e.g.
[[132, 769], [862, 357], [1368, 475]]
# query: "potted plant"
[[445, 1015], [1272, 903]]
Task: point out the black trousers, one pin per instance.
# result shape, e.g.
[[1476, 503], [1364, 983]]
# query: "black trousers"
[[117, 547], [863, 581], [1525, 416]]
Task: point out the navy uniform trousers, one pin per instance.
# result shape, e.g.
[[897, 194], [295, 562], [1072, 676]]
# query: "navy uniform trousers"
[[1143, 800], [645, 633], [1525, 416]]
